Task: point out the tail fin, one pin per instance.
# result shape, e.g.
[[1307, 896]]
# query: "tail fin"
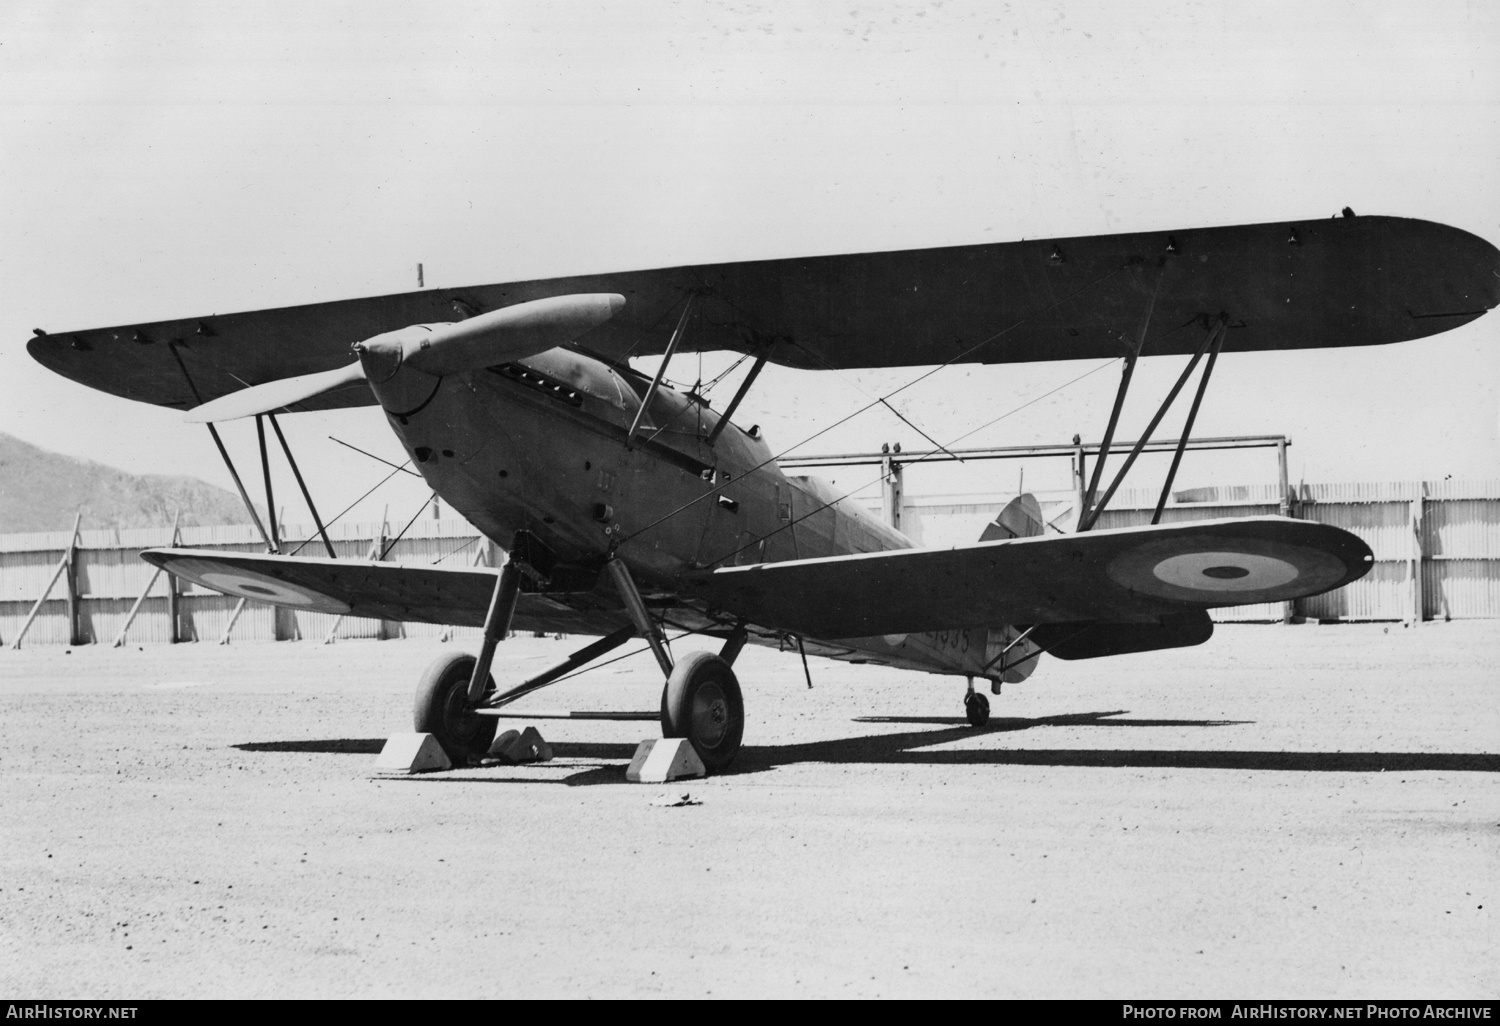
[[1021, 518]]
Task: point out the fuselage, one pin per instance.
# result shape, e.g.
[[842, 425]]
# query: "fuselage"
[[539, 445]]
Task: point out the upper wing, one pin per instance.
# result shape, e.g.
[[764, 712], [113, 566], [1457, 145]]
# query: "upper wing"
[[1133, 574], [389, 591], [1343, 282]]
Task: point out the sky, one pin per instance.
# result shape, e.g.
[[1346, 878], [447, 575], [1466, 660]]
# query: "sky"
[[180, 159]]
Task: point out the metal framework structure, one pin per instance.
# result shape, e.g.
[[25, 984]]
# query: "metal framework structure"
[[892, 461]]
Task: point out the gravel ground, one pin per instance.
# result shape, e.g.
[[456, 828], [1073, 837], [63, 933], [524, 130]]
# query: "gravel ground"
[[1284, 812]]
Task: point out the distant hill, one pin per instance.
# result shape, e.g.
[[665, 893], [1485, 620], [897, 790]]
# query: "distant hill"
[[41, 491]]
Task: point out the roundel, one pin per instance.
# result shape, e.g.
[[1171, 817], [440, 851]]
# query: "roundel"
[[1227, 570], [247, 584]]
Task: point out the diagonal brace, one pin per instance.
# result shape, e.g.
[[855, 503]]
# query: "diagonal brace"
[[306, 495], [584, 655], [661, 372], [1166, 404], [734, 404], [1187, 428], [1084, 517], [636, 606]]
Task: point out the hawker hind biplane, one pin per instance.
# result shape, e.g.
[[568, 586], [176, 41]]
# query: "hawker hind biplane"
[[628, 508]]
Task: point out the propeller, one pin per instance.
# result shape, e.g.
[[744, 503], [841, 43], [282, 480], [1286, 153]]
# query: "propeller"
[[500, 336]]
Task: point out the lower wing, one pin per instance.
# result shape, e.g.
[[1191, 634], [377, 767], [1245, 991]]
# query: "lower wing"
[[387, 591], [1128, 575], [1133, 575]]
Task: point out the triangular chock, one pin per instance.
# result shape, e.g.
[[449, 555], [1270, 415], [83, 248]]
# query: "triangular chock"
[[520, 746], [660, 760], [412, 753]]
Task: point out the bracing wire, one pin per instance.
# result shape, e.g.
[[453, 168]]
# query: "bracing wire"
[[372, 456], [351, 505], [960, 438], [876, 402], [401, 533], [450, 555], [921, 459]]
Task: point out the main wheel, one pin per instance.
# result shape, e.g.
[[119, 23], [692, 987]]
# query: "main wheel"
[[702, 703], [977, 709], [443, 709]]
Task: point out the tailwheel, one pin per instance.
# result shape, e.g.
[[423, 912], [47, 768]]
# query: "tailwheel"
[[443, 709], [702, 703], [977, 708]]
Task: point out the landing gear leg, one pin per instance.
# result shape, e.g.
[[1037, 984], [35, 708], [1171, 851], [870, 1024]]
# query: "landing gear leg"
[[456, 683], [976, 706], [636, 607], [701, 700]]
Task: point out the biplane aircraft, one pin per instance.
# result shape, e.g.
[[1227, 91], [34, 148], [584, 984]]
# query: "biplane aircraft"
[[629, 508]]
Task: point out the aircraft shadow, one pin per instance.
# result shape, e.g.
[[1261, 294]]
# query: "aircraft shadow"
[[910, 748], [326, 746], [1091, 719], [915, 747]]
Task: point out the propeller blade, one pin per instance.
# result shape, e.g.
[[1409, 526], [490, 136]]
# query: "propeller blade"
[[273, 395], [500, 336]]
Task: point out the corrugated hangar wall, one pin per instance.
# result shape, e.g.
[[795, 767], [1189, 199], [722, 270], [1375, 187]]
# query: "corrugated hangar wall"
[[1436, 545], [107, 577]]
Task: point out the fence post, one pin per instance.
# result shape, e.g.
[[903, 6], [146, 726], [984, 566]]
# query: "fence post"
[[239, 607], [1079, 475], [891, 491], [1284, 508], [62, 565], [70, 581], [174, 588], [174, 611], [376, 548], [130, 617], [1418, 603], [377, 553]]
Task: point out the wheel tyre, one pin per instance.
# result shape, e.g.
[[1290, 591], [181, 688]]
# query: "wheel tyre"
[[702, 703], [443, 710], [977, 709]]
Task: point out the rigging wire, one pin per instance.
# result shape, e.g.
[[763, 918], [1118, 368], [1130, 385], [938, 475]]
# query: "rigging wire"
[[401, 533], [868, 406], [907, 421], [372, 456], [347, 508], [697, 393], [450, 555], [732, 368], [921, 459]]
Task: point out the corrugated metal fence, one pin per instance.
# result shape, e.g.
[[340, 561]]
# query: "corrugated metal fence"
[[92, 598], [1436, 545]]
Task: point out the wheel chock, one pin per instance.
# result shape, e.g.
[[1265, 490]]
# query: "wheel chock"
[[662, 759], [518, 746], [411, 753]]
